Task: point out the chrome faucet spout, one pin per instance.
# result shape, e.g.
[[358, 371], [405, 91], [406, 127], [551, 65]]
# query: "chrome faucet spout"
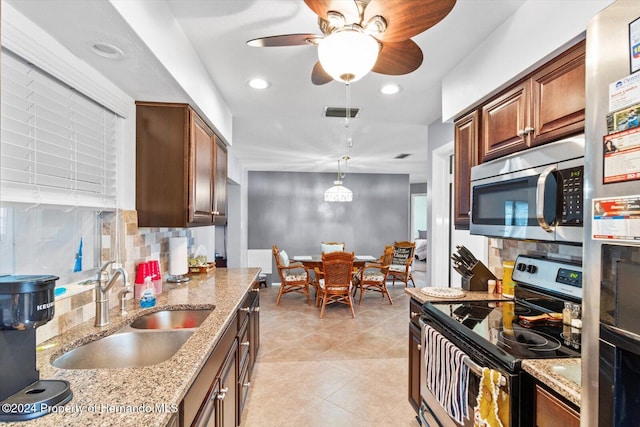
[[103, 285]]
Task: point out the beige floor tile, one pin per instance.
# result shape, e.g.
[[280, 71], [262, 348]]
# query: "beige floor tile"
[[335, 371]]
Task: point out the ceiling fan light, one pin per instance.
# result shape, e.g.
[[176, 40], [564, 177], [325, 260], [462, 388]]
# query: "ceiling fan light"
[[348, 55]]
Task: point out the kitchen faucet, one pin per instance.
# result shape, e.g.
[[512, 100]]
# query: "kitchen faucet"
[[103, 285]]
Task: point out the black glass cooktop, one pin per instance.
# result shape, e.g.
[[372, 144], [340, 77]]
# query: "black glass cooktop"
[[496, 327]]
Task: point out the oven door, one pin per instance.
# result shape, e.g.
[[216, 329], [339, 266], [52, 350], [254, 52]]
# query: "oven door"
[[432, 412]]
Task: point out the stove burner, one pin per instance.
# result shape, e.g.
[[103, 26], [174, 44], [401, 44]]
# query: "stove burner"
[[525, 339]]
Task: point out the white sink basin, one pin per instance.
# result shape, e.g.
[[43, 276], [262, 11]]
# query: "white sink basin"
[[570, 372]]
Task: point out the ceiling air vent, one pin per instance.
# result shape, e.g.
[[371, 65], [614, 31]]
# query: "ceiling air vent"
[[340, 112], [402, 156]]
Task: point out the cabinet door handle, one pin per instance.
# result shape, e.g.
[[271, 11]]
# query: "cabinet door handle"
[[528, 130], [223, 393], [245, 343], [414, 314], [246, 309]]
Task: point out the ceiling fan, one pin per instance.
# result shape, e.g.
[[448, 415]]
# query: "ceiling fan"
[[359, 36]]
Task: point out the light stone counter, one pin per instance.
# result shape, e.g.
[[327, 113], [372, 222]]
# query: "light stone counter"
[[543, 371], [469, 296], [115, 397]]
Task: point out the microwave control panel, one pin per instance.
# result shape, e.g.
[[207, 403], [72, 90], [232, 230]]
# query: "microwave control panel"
[[572, 181]]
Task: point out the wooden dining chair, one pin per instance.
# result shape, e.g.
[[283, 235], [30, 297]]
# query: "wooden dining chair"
[[400, 267], [294, 277], [373, 276], [334, 280]]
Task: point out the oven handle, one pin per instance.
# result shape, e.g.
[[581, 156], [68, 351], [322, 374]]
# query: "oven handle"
[[477, 370], [542, 179]]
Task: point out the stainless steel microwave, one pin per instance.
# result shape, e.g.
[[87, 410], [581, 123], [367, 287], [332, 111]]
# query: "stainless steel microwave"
[[535, 194]]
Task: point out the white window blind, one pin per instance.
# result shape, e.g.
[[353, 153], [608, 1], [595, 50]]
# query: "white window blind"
[[57, 146]]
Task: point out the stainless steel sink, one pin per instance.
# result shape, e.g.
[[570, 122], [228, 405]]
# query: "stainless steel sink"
[[171, 319], [570, 372], [127, 349]]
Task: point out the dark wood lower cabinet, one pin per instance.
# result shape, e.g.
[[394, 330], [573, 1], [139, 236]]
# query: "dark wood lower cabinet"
[[415, 354], [218, 395], [551, 411]]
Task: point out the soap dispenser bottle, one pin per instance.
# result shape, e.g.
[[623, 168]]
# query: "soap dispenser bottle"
[[148, 294]]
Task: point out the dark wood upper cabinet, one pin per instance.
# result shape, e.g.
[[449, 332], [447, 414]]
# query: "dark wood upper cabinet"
[[201, 179], [179, 168], [220, 185], [558, 91], [544, 107], [466, 133], [504, 121]]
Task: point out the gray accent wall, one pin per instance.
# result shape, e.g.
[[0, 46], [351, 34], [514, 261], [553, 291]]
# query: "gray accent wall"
[[288, 209]]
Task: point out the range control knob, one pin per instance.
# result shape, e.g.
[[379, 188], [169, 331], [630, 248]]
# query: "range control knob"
[[521, 266], [532, 269]]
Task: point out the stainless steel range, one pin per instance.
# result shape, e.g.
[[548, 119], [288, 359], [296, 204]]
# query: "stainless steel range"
[[493, 335]]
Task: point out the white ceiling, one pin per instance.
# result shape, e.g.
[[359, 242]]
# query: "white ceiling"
[[282, 128]]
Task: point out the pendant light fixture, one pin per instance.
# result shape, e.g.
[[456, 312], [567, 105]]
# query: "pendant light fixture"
[[339, 193]]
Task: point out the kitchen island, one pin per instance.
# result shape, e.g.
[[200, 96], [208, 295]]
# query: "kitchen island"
[[149, 395]]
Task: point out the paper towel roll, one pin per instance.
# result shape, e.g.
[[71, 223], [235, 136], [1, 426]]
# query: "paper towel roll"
[[178, 263]]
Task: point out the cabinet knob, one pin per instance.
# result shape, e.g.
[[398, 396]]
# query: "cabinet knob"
[[255, 309], [245, 343], [414, 314], [246, 309], [419, 346], [521, 132], [247, 384], [222, 394], [255, 289], [528, 130]]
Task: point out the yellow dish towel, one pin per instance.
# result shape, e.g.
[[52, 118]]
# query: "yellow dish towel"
[[492, 408]]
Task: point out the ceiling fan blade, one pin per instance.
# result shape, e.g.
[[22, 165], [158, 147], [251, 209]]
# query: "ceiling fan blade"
[[319, 76], [284, 40], [347, 8], [407, 18], [396, 58]]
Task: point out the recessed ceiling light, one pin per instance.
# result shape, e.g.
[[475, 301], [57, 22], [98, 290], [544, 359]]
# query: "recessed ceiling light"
[[390, 89], [258, 83], [106, 50]]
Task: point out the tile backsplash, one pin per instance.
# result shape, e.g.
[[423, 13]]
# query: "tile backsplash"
[[120, 234]]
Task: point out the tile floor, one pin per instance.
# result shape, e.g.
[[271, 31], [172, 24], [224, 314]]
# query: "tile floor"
[[335, 371]]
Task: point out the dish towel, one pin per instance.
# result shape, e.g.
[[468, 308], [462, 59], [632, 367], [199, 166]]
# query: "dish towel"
[[492, 408], [446, 373]]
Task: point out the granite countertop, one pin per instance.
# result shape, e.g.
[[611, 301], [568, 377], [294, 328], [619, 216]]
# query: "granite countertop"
[[122, 397], [469, 296], [543, 371]]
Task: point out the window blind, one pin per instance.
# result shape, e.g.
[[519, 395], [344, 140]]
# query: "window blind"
[[57, 146]]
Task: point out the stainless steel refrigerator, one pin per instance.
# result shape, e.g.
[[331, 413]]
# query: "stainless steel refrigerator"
[[611, 262]]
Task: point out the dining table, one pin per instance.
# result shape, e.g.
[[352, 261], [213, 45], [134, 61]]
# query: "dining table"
[[313, 261]]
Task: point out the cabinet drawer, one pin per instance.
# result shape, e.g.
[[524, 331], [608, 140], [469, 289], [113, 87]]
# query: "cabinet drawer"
[[244, 342], [243, 384]]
